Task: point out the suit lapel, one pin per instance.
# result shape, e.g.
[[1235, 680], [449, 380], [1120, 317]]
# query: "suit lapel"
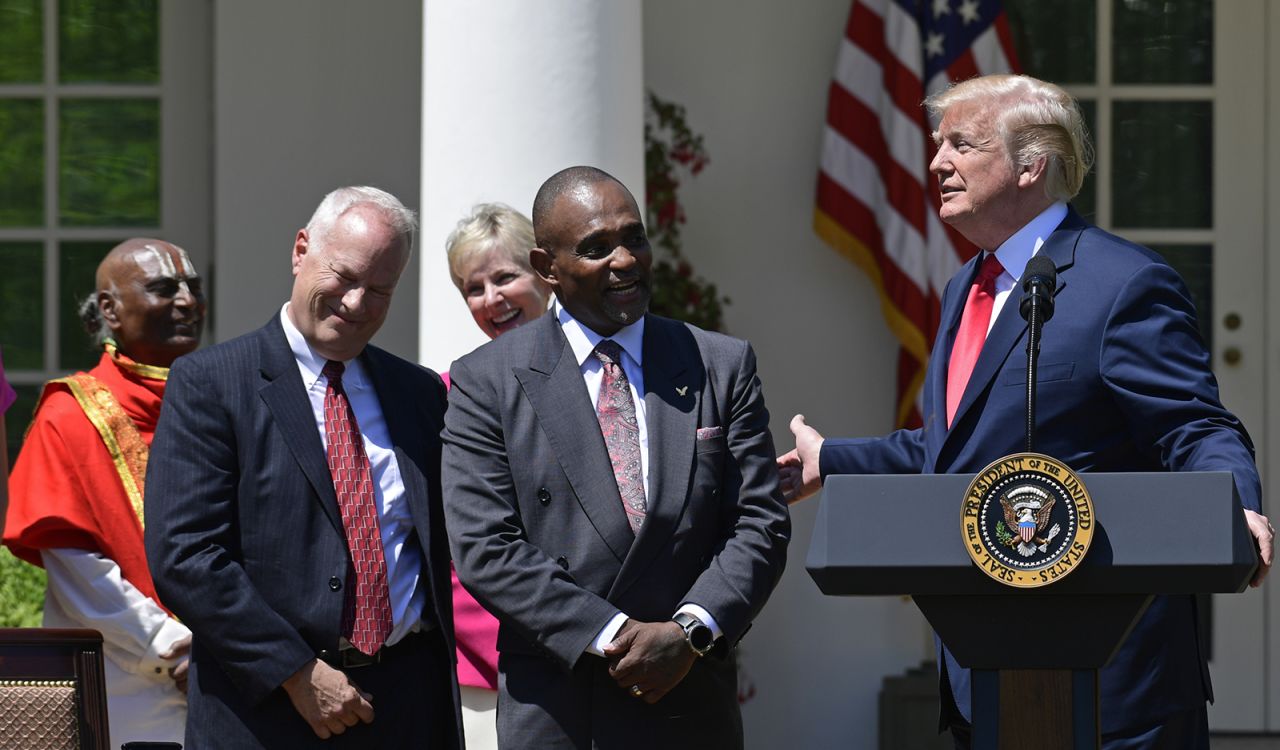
[[554, 387], [672, 393], [286, 399], [1010, 327]]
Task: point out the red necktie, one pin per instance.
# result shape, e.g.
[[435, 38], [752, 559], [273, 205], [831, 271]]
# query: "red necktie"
[[972, 333], [616, 411], [366, 612]]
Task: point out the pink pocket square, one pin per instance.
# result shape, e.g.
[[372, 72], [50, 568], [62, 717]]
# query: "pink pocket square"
[[707, 433]]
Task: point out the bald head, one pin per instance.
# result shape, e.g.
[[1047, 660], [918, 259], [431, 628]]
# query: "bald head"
[[149, 299], [565, 182]]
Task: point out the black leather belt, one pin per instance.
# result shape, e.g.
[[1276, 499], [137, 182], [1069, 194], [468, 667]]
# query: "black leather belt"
[[349, 657]]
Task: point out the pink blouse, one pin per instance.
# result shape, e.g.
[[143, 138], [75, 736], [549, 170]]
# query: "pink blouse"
[[476, 631]]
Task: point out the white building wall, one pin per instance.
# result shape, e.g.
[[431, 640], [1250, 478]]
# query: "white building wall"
[[754, 75], [309, 95], [514, 92]]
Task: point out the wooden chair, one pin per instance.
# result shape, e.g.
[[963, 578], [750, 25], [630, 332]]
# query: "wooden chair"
[[52, 691]]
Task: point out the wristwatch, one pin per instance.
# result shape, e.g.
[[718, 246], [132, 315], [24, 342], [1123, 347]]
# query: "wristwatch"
[[698, 636]]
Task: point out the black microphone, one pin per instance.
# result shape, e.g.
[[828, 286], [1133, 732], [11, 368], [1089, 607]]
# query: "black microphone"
[[1038, 282]]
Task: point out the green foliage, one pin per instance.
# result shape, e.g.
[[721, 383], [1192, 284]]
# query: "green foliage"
[[1003, 534], [21, 592], [672, 149]]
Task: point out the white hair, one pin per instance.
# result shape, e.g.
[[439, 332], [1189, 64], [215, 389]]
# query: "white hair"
[[489, 226], [338, 202]]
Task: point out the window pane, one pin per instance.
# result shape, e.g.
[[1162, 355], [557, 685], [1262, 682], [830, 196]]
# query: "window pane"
[[1086, 201], [22, 305], [21, 41], [1162, 167], [1157, 41], [77, 265], [115, 42], [21, 162], [19, 415], [1195, 264], [109, 169], [1055, 41]]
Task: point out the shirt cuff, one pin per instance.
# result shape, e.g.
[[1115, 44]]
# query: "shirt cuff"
[[704, 616], [168, 634], [607, 634]]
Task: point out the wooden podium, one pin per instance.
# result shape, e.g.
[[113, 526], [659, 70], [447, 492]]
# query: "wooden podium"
[[1157, 533]]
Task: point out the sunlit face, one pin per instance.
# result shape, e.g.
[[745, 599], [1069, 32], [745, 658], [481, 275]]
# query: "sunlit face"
[[976, 176], [599, 263], [342, 283], [500, 293], [154, 305]]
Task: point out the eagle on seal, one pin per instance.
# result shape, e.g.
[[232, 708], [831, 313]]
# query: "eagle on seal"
[[1026, 510]]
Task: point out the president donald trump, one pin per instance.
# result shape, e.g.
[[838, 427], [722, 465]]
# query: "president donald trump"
[[1124, 378]]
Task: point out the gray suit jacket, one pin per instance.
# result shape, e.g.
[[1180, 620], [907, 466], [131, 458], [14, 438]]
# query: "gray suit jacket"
[[539, 535]]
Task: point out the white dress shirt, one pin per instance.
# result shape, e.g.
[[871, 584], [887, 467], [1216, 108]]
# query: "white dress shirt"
[[583, 341], [404, 561], [1015, 252], [86, 590]]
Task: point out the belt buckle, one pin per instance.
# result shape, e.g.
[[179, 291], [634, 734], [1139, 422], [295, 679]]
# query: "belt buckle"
[[350, 658]]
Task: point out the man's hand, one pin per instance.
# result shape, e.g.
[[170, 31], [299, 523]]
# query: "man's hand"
[[1264, 534], [798, 470], [327, 699], [651, 656], [180, 650]]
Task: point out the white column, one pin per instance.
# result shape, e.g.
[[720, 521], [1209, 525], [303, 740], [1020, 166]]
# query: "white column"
[[514, 91]]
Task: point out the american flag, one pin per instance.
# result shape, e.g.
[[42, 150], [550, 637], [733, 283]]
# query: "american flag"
[[877, 204]]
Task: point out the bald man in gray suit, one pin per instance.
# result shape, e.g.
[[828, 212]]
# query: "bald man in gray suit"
[[611, 496]]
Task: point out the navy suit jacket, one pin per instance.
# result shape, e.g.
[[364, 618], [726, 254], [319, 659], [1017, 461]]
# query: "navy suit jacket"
[[244, 536], [1123, 385]]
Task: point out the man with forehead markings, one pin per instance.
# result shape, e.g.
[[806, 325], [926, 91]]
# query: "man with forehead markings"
[[77, 487]]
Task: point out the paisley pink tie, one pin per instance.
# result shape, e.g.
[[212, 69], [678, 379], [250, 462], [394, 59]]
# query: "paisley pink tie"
[[617, 414]]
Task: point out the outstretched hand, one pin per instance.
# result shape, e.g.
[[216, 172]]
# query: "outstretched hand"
[[652, 657], [798, 470]]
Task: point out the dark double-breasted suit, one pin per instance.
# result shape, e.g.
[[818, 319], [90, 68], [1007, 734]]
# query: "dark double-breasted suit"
[[245, 539], [541, 539], [1124, 385]]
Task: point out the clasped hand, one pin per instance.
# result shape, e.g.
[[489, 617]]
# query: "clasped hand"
[[327, 699], [652, 656]]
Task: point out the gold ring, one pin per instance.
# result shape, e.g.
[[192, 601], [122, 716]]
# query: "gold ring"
[[636, 691]]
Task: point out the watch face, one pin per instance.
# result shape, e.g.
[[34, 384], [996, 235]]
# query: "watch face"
[[700, 638]]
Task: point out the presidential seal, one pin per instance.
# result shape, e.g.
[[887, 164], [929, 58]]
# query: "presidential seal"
[[1027, 520]]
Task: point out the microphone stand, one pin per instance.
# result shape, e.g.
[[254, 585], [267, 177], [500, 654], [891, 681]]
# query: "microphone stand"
[[1035, 322]]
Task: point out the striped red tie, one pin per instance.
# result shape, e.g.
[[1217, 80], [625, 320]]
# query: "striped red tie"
[[366, 613], [972, 334]]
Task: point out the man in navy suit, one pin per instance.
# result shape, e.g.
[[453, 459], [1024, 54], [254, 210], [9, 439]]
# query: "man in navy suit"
[[293, 511], [1124, 378]]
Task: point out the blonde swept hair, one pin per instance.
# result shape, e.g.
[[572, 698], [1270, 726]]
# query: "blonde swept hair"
[[1035, 119]]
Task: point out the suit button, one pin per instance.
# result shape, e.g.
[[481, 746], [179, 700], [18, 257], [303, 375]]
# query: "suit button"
[[335, 584], [563, 562], [544, 495]]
